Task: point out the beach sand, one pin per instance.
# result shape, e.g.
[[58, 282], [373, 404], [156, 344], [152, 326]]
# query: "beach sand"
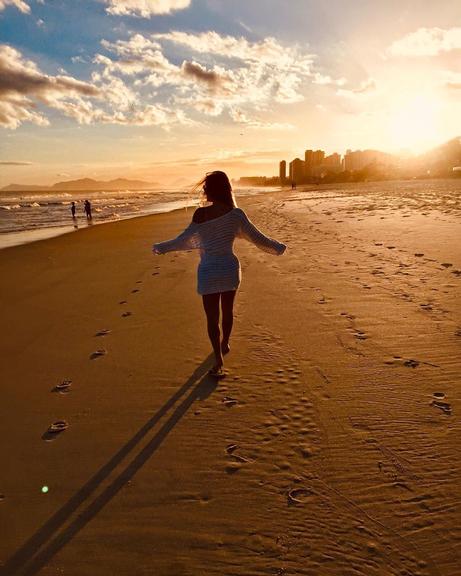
[[332, 446]]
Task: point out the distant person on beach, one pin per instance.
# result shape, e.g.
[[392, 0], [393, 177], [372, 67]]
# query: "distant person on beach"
[[87, 208], [72, 209], [212, 231]]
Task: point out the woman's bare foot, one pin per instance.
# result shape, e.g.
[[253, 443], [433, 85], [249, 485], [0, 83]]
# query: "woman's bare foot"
[[217, 371], [225, 348]]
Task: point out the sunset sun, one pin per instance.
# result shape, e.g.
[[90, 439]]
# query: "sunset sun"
[[414, 123]]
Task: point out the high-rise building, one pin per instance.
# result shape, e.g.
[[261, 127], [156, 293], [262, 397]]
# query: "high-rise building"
[[360, 159], [283, 171], [317, 157], [308, 163], [333, 161], [353, 160], [297, 171]]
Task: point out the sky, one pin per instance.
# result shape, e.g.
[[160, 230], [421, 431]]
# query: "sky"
[[166, 90]]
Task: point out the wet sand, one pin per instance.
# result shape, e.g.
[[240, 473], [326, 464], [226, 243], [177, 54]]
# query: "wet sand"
[[331, 447]]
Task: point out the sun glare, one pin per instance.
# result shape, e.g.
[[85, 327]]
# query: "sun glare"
[[414, 123]]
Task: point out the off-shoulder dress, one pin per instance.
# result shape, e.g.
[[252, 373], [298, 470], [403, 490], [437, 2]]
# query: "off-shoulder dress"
[[219, 268]]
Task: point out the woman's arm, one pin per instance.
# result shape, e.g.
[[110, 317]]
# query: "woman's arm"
[[249, 231], [187, 240]]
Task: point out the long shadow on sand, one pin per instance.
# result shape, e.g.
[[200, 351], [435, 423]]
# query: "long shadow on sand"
[[53, 536]]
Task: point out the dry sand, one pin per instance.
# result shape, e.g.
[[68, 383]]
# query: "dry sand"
[[331, 448]]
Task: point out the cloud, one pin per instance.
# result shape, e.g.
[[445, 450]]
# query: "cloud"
[[427, 42], [165, 79], [25, 91], [267, 52], [79, 59], [16, 110], [145, 8], [23, 85], [12, 163], [218, 73], [22, 77], [241, 118], [452, 80], [365, 87], [325, 80], [200, 73], [226, 156], [19, 4]]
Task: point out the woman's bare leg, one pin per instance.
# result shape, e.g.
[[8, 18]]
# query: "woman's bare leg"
[[227, 308], [211, 307]]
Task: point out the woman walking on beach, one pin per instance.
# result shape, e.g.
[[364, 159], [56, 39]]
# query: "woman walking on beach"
[[212, 231]]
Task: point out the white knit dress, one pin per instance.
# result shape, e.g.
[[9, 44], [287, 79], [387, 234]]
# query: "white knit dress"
[[219, 268]]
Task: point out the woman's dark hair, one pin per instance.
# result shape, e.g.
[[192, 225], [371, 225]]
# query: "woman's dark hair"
[[217, 188]]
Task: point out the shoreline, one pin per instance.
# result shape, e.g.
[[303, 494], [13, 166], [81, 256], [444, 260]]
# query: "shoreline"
[[20, 238], [17, 238]]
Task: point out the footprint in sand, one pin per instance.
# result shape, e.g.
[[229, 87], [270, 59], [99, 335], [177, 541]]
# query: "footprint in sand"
[[155, 273], [103, 332], [447, 265], [360, 335], [2, 497], [231, 449], [98, 353], [233, 467], [228, 401], [419, 254], [411, 363], [135, 290], [439, 395], [125, 314], [299, 495], [63, 386], [123, 302], [138, 281], [55, 429], [444, 406], [456, 272], [58, 426]]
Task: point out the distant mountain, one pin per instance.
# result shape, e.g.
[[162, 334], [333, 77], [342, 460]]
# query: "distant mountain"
[[24, 188], [180, 182], [84, 184], [117, 184]]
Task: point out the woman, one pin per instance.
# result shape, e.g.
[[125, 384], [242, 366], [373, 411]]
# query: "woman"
[[212, 231]]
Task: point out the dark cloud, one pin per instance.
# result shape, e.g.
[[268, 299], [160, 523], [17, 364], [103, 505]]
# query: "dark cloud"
[[22, 84], [197, 71], [21, 77]]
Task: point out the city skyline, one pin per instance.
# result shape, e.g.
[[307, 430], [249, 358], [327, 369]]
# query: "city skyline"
[[162, 90]]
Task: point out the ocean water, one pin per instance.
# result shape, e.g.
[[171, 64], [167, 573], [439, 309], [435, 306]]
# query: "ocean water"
[[29, 216]]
